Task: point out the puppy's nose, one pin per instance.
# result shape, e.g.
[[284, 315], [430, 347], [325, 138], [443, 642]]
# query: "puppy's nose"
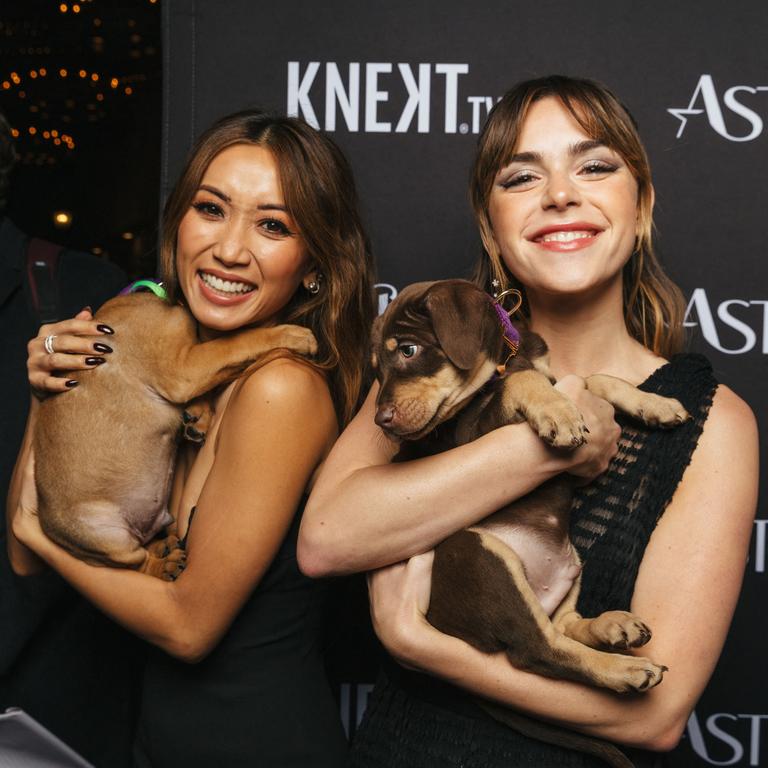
[[385, 414]]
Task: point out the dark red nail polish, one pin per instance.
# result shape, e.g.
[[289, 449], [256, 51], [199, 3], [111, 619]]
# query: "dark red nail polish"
[[71, 383], [99, 347], [94, 360], [104, 328]]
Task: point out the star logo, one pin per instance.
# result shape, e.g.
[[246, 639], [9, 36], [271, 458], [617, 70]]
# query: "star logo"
[[737, 100], [682, 115]]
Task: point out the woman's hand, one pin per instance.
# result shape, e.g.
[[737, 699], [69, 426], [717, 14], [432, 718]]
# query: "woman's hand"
[[592, 458], [74, 349], [399, 596]]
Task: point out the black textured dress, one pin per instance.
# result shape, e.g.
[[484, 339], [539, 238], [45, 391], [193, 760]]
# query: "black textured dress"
[[261, 698], [416, 721]]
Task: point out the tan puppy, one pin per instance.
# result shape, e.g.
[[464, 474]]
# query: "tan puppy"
[[509, 583], [104, 452]]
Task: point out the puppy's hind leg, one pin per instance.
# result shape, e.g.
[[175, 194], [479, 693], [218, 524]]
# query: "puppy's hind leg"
[[496, 609], [612, 630]]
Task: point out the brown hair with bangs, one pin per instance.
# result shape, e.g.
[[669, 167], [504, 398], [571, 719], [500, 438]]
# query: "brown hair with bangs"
[[319, 193], [653, 305]]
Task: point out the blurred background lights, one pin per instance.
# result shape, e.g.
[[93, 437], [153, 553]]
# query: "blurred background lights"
[[62, 219]]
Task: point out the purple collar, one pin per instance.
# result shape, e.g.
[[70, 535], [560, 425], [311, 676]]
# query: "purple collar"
[[510, 333]]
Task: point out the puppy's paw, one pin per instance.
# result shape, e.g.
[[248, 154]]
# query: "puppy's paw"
[[637, 675], [633, 673], [559, 424], [296, 338], [657, 411], [196, 419], [193, 434], [161, 548], [166, 559], [619, 630], [173, 564]]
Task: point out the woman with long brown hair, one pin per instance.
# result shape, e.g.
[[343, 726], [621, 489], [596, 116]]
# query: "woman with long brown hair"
[[262, 228], [562, 194]]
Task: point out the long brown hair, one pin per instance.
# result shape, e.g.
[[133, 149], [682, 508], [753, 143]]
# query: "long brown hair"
[[320, 196], [653, 305]]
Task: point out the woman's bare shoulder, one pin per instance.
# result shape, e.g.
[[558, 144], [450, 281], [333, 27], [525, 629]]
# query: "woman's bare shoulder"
[[725, 462], [285, 381], [728, 406]]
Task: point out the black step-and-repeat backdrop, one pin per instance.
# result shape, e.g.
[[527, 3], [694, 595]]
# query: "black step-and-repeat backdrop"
[[404, 88]]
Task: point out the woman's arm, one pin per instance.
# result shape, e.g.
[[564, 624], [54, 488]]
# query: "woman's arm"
[[273, 434], [23, 560], [365, 512], [686, 590]]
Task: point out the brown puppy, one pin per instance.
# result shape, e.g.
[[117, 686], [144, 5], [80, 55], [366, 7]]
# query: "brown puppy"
[[509, 583], [104, 453]]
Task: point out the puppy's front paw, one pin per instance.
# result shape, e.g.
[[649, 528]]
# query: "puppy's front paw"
[[296, 338], [657, 411], [619, 630], [558, 423], [193, 434]]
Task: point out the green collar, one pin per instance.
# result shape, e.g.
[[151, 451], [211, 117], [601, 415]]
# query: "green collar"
[[153, 285]]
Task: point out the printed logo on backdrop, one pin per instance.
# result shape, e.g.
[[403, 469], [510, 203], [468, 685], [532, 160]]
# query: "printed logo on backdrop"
[[738, 107], [385, 293], [725, 738], [735, 327], [330, 96]]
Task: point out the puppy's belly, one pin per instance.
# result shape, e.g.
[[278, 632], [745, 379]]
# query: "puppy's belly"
[[117, 526], [551, 566]]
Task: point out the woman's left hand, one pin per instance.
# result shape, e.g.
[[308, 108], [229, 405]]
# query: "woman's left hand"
[[399, 596]]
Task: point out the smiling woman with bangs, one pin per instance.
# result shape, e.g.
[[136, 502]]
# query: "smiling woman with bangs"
[[562, 194]]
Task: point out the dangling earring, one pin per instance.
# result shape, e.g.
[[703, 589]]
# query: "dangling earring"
[[495, 284]]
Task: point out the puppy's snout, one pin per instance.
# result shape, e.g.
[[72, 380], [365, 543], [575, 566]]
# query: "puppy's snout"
[[385, 415]]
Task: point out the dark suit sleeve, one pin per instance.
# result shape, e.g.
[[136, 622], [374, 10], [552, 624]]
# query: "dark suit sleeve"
[[27, 603]]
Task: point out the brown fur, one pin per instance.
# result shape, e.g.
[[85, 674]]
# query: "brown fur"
[[104, 452], [439, 393]]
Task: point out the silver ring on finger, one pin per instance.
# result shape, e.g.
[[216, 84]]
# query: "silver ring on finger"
[[48, 343]]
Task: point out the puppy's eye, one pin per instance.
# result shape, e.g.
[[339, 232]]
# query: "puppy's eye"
[[408, 350]]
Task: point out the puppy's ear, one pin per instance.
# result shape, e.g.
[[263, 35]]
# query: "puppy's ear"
[[460, 314]]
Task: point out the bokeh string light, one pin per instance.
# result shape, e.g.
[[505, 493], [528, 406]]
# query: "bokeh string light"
[[80, 87], [89, 91]]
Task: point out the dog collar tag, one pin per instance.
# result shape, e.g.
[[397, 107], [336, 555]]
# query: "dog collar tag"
[[153, 285]]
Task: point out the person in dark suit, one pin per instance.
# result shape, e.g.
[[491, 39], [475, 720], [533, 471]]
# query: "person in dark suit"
[[61, 660]]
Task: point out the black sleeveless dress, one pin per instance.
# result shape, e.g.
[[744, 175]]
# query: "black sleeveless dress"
[[416, 721], [261, 698]]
